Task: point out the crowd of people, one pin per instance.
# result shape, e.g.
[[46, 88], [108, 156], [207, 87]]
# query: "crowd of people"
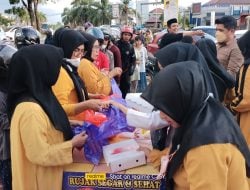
[[200, 122]]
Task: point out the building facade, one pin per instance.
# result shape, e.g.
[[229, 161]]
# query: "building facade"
[[235, 8]]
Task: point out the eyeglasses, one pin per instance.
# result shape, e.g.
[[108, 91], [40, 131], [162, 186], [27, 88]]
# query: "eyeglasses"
[[77, 50]]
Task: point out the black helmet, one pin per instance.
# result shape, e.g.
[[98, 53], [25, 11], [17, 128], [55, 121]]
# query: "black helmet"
[[6, 52], [26, 36]]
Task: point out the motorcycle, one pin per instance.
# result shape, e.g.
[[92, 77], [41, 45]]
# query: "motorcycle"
[[152, 68]]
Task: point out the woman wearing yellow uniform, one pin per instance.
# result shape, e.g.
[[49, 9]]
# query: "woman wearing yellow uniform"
[[241, 104], [70, 89], [208, 149], [97, 82], [40, 133]]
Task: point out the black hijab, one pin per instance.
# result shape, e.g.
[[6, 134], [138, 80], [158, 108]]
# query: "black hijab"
[[244, 45], [203, 119], [89, 46], [33, 70], [223, 80], [57, 36], [170, 38], [69, 40], [179, 51]]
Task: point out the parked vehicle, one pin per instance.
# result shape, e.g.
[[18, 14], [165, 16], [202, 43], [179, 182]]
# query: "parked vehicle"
[[196, 38], [207, 29], [2, 34], [239, 33], [154, 45], [10, 34], [151, 68]]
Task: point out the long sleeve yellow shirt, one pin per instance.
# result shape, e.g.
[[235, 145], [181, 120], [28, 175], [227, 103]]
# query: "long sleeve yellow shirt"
[[65, 92], [212, 167], [38, 150], [241, 103], [95, 81]]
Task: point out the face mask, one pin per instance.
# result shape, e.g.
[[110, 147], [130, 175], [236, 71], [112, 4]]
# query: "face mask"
[[104, 46], [75, 62], [220, 37]]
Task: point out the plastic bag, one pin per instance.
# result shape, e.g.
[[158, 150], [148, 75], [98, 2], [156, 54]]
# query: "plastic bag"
[[116, 122], [95, 118], [116, 92], [91, 116], [108, 123], [94, 143]]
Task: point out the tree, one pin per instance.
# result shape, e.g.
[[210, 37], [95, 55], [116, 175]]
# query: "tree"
[[31, 6], [4, 21], [20, 12], [104, 11], [87, 10], [126, 11]]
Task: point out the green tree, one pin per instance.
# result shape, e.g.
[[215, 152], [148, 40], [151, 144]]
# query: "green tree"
[[4, 21], [126, 11], [87, 10], [103, 11], [31, 6]]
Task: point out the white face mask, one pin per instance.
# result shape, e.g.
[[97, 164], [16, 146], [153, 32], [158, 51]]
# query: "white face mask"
[[104, 46], [75, 62], [220, 37]]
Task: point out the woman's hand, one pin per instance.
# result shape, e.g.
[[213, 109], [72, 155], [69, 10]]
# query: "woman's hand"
[[79, 140], [121, 107], [117, 71], [97, 104]]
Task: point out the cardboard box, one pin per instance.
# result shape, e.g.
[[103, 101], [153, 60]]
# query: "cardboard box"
[[135, 101], [123, 155]]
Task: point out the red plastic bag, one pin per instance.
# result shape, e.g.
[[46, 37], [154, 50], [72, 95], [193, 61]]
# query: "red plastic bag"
[[95, 118]]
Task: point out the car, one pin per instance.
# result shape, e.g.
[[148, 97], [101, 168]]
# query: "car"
[[154, 45], [10, 34], [207, 29], [45, 28], [206, 35], [2, 34], [239, 33]]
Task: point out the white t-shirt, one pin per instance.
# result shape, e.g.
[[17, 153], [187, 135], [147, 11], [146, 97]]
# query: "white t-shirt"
[[141, 55]]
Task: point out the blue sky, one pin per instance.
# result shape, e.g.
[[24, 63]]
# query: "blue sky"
[[53, 11]]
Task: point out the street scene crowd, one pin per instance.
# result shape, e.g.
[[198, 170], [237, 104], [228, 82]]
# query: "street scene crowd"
[[200, 91]]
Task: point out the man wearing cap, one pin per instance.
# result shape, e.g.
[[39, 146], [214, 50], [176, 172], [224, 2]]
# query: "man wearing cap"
[[228, 52], [173, 35]]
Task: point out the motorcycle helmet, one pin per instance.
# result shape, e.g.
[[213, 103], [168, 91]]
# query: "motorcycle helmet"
[[6, 52], [127, 29], [26, 36], [97, 32], [88, 25]]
